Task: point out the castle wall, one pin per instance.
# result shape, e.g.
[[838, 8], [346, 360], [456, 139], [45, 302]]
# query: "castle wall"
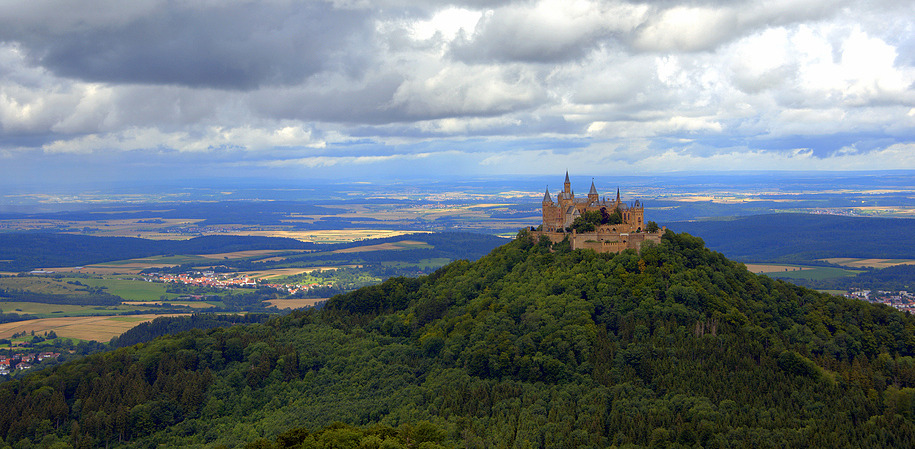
[[606, 238], [602, 242]]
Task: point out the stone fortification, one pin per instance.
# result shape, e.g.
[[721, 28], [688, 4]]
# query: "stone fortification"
[[623, 225]]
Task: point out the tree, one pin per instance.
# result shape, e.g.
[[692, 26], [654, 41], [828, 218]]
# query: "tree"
[[615, 217], [651, 227]]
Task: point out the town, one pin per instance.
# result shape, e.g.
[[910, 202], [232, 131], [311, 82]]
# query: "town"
[[900, 300], [23, 361], [218, 281]]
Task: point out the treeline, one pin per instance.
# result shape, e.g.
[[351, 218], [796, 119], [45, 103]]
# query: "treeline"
[[27, 251], [534, 345], [172, 325], [805, 237], [97, 298], [895, 278]]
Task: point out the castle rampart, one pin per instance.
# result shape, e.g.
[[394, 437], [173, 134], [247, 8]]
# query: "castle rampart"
[[608, 225]]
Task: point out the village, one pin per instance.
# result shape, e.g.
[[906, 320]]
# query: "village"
[[900, 300], [23, 361], [210, 279]]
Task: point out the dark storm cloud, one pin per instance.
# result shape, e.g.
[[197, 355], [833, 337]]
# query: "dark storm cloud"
[[236, 45]]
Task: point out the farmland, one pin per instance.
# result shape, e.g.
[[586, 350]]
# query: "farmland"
[[869, 263], [98, 328]]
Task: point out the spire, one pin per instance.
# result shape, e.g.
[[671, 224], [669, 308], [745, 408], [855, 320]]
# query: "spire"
[[617, 194], [546, 196], [567, 177], [593, 189]]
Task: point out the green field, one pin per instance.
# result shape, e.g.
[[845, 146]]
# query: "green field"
[[814, 273], [42, 285], [129, 289], [42, 310]]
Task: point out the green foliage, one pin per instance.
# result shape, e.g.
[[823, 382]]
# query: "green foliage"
[[651, 226], [675, 346], [591, 219]]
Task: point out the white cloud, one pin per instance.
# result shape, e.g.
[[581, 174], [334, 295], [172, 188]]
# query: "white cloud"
[[642, 84], [469, 90]]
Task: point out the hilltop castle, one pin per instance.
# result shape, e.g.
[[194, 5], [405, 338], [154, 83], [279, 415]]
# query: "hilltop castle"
[[601, 224]]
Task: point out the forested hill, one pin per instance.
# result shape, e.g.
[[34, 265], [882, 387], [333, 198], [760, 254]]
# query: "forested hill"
[[526, 347], [805, 237], [27, 251]]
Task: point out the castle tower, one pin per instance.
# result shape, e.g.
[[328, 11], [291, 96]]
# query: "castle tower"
[[567, 186], [551, 214], [593, 196]]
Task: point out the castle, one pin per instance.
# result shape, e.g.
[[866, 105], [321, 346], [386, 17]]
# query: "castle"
[[602, 224]]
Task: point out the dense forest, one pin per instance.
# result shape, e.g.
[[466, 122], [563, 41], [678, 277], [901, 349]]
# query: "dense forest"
[[534, 345], [167, 325], [805, 238]]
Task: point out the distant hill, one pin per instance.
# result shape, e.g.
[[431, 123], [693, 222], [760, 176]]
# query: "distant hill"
[[805, 237], [674, 347], [27, 251]]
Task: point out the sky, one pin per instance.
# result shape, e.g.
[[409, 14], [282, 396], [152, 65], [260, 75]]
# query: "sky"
[[384, 89]]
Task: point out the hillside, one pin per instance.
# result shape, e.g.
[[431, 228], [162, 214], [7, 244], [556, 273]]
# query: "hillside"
[[25, 251], [805, 237], [673, 347]]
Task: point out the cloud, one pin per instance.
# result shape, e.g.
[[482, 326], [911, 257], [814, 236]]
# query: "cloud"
[[225, 45], [548, 31], [514, 85]]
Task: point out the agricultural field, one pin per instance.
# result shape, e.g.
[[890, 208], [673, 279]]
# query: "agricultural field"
[[129, 289], [62, 310], [773, 268], [869, 263], [297, 303], [403, 244], [814, 273], [98, 328]]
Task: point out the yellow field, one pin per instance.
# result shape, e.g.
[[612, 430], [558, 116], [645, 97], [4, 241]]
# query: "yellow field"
[[870, 263], [98, 328], [766, 268], [294, 303]]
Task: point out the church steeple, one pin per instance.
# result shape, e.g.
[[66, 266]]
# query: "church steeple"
[[618, 195]]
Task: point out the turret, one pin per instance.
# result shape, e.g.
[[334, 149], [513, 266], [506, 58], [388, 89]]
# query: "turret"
[[593, 196], [547, 199], [567, 186]]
